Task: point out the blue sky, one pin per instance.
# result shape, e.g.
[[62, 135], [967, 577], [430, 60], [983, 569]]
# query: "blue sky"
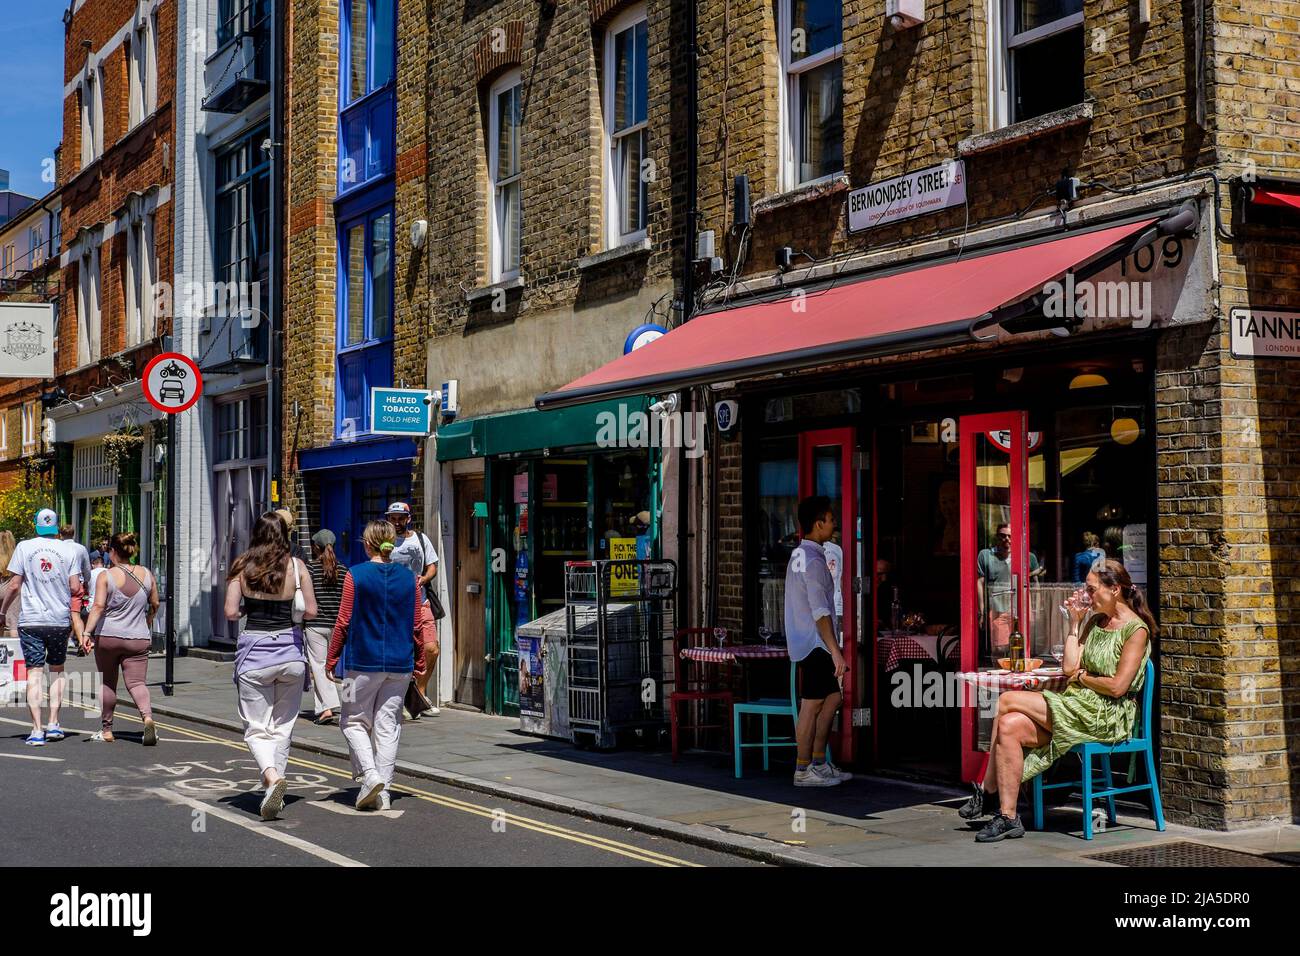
[[31, 89]]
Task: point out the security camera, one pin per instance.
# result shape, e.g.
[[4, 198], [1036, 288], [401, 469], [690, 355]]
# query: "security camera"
[[666, 405]]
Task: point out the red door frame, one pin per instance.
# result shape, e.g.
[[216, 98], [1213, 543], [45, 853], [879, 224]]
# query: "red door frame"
[[846, 440], [973, 761]]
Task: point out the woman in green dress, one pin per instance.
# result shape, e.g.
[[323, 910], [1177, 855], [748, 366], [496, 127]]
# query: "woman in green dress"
[[1106, 663]]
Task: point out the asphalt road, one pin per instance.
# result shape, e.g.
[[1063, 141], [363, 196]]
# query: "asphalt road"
[[193, 800]]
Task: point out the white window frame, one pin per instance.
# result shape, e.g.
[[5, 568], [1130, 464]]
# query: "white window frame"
[[4, 434], [140, 268], [614, 198], [8, 257], [31, 432], [89, 303], [1003, 46], [791, 121], [36, 253], [497, 258]]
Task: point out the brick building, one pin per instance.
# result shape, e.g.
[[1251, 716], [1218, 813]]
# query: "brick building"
[[555, 212], [924, 352], [29, 273], [115, 180], [354, 302]]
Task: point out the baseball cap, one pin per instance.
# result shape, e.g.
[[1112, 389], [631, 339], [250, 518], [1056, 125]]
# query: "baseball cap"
[[47, 523], [399, 508], [96, 556], [323, 538]]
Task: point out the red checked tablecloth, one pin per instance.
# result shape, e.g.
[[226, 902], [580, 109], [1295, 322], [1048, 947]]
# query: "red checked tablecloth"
[[741, 652], [1045, 678], [893, 648]]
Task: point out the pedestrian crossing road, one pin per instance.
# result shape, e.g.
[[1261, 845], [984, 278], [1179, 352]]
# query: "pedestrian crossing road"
[[193, 800]]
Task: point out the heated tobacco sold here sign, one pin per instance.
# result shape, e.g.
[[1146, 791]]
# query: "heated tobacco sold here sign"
[[400, 411]]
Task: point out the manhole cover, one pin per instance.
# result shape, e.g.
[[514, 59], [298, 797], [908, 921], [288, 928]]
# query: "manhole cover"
[[1182, 853]]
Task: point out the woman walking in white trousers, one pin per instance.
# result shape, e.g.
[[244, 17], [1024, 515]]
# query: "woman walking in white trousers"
[[327, 581], [376, 647], [270, 667]]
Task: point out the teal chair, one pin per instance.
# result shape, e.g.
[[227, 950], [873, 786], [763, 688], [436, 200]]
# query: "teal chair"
[[1097, 788], [768, 707]]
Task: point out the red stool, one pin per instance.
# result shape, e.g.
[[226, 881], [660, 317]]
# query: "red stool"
[[691, 686]]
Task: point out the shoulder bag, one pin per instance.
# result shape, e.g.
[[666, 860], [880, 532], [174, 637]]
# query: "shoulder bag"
[[430, 592]]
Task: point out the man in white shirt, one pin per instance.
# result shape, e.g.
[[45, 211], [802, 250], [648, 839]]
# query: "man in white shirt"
[[810, 629], [82, 596], [45, 577], [415, 550]]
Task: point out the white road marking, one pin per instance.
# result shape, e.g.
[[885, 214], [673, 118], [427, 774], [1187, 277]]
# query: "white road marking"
[[221, 813], [33, 757], [352, 811]]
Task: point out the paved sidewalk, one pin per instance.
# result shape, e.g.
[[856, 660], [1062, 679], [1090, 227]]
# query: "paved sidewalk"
[[871, 821]]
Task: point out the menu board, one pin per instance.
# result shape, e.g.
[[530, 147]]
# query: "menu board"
[[1134, 552]]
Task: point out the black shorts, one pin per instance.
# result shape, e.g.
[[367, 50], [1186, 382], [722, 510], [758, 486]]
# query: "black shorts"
[[817, 679], [44, 645]]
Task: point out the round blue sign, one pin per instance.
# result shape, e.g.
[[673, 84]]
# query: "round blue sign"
[[643, 335]]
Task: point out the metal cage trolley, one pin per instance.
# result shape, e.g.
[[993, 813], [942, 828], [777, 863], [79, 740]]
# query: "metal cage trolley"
[[620, 616]]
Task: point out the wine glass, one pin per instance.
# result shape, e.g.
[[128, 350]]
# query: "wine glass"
[[765, 633], [1058, 651], [720, 634]]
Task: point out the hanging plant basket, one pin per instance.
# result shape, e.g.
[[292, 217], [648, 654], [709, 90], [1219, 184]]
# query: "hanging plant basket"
[[122, 447]]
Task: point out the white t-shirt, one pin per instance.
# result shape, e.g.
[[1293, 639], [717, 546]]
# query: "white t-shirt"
[[835, 564], [46, 565], [79, 557], [415, 551]]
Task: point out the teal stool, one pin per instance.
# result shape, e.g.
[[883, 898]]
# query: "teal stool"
[[1103, 787], [768, 707]]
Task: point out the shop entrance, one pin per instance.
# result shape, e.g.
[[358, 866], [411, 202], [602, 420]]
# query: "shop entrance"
[[985, 496]]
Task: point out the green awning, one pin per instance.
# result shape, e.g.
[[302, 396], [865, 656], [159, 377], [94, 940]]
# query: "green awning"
[[531, 430]]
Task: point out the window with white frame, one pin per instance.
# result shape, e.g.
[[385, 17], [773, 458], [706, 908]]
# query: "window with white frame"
[[142, 70], [4, 433], [7, 259], [812, 90], [37, 253], [140, 266], [504, 175], [91, 104], [1037, 58], [31, 426], [88, 304], [627, 175]]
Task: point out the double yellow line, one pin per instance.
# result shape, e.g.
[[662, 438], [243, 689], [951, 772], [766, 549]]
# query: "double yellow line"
[[527, 823]]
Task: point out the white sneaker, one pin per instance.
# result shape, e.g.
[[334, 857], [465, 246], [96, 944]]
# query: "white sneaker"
[[844, 775], [371, 787], [385, 801], [273, 801], [432, 712], [815, 777]]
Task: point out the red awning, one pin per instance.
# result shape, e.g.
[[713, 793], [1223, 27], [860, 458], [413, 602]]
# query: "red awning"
[[1271, 197], [926, 306]]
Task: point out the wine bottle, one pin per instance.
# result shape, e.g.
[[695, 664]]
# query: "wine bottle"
[[1017, 647]]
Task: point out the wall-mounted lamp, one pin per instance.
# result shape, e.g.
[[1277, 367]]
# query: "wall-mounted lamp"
[[419, 232], [905, 13]]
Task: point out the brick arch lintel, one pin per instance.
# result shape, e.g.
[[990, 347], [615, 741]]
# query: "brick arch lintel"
[[602, 11], [494, 52]]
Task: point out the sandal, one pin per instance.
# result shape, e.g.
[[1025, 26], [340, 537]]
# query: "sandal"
[[103, 737], [323, 720]]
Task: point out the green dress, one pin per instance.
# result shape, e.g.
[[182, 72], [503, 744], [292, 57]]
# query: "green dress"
[[1080, 714]]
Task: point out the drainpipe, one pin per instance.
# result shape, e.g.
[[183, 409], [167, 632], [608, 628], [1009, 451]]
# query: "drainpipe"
[[688, 305], [275, 391]]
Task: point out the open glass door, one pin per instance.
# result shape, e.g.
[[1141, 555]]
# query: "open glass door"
[[994, 561], [826, 468]]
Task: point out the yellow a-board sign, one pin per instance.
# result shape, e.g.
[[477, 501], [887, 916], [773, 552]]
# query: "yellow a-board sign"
[[623, 577]]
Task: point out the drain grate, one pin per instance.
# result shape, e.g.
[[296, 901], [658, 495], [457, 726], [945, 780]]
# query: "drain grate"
[[1182, 853]]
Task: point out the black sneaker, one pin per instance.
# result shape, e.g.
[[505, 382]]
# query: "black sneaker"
[[978, 804], [1001, 828]]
